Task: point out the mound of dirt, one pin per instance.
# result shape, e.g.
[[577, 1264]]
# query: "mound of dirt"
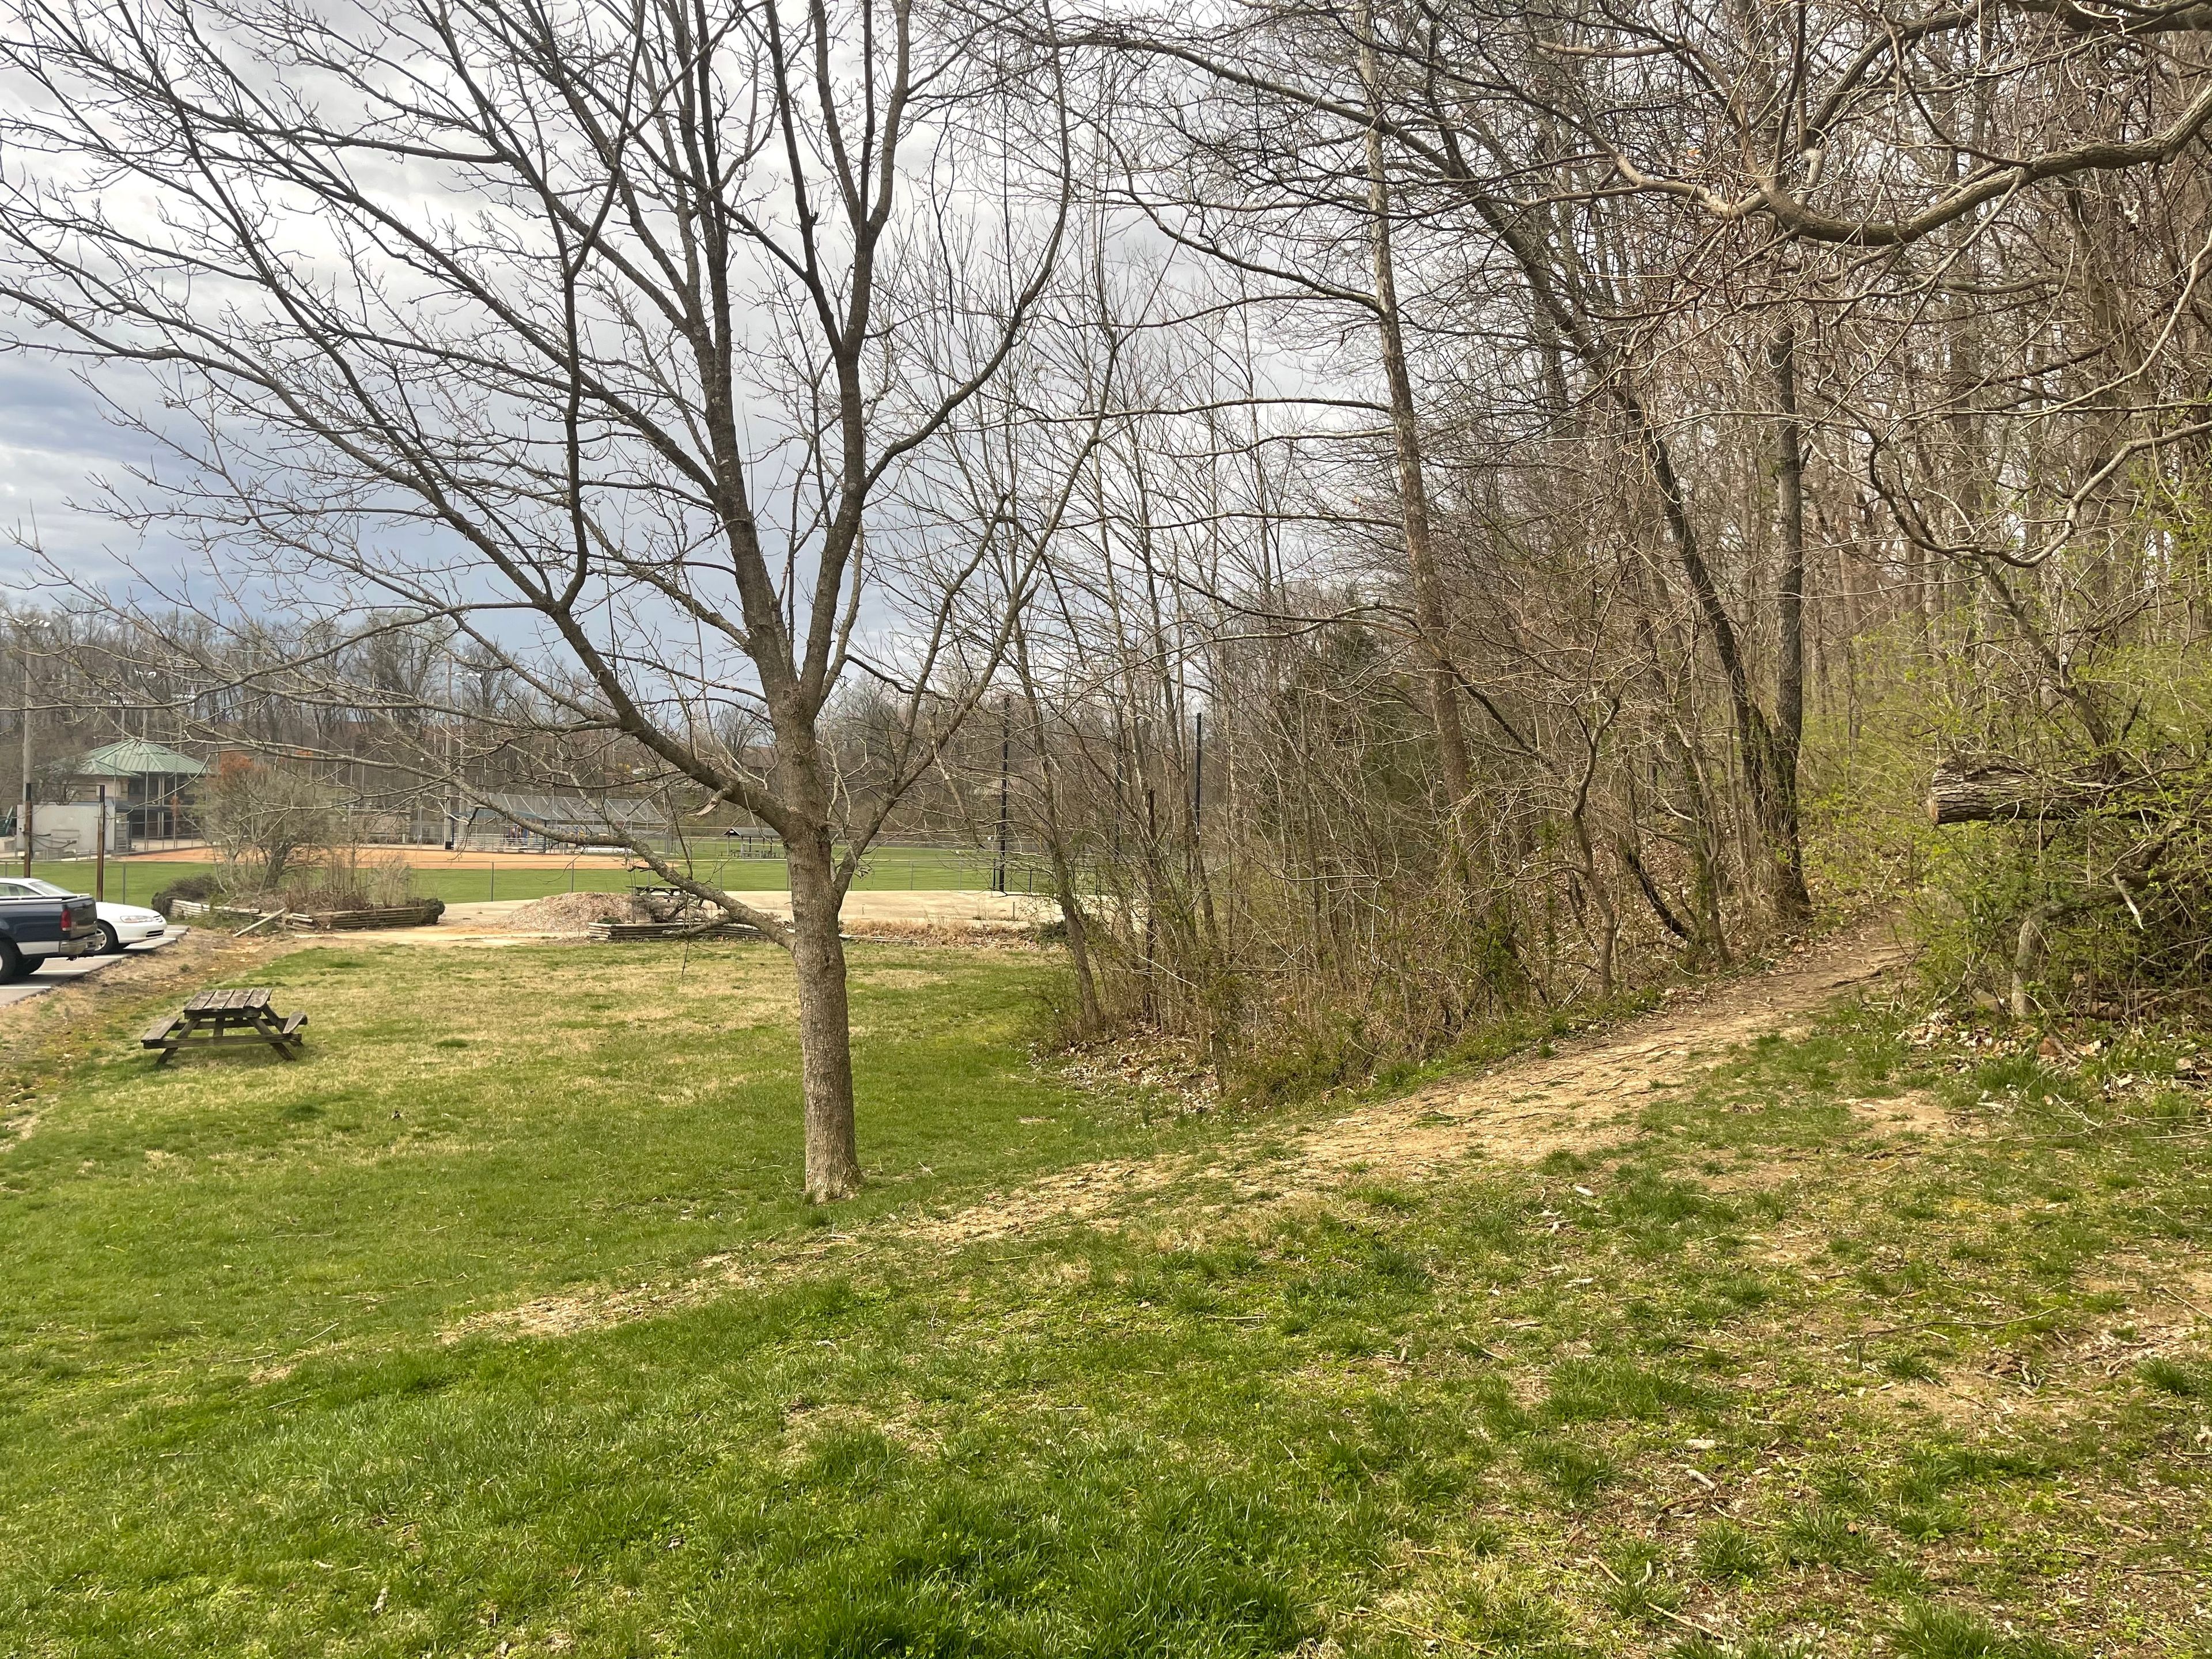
[[572, 913]]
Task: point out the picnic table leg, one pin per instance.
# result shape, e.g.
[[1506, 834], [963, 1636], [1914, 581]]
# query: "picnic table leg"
[[272, 1033]]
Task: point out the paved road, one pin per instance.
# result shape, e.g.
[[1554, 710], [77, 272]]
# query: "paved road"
[[53, 975]]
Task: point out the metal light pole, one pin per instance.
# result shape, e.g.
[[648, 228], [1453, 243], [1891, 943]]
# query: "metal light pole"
[[99, 851]]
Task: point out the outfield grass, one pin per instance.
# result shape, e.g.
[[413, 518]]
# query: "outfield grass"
[[1760, 1368], [890, 869]]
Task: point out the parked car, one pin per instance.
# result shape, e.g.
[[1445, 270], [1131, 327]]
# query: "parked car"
[[118, 924], [40, 921]]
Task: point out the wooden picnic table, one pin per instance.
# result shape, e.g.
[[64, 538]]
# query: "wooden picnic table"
[[221, 1019]]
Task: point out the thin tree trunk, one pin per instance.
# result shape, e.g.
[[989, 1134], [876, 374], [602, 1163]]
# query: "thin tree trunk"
[[825, 1047], [1056, 844], [1429, 620], [1784, 848]]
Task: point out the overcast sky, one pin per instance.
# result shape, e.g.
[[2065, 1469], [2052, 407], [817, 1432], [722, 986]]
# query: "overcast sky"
[[55, 444]]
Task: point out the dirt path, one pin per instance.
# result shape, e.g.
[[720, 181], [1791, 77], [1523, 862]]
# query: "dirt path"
[[1581, 1095]]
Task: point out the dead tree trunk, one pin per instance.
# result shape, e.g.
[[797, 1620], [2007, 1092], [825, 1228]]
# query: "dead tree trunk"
[[1994, 789]]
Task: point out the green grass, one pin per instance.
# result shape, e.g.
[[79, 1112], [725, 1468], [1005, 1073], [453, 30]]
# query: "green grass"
[[525, 876], [264, 1387]]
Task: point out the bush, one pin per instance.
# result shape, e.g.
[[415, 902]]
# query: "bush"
[[264, 819], [356, 880], [342, 878], [196, 889]]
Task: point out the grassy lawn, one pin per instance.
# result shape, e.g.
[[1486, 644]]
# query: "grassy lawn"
[[1762, 1368], [919, 869]]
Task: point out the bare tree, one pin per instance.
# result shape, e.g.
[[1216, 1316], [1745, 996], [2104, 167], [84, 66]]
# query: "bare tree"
[[596, 338], [264, 819]]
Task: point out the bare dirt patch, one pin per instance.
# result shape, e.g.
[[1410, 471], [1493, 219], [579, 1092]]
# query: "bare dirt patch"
[[1917, 1112], [1083, 1194], [897, 979], [593, 1308]]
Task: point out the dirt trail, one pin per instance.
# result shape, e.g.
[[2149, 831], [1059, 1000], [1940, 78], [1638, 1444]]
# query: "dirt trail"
[[1521, 1109], [1530, 1106]]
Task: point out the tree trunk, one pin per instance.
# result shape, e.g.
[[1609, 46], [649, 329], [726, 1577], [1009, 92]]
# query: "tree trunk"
[[2026, 952], [1413, 485], [1785, 850], [825, 1047], [1078, 946]]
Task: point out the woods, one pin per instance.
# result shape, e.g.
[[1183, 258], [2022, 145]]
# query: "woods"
[[1420, 515]]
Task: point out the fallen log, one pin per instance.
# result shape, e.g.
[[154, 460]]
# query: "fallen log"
[[1993, 788]]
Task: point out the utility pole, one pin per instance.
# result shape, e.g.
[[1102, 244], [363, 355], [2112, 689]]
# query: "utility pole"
[[1005, 760], [453, 801], [23, 821]]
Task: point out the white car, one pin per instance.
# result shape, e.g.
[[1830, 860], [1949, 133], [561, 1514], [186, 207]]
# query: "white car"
[[119, 924]]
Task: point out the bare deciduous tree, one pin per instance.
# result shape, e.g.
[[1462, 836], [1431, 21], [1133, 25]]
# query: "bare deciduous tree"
[[594, 337]]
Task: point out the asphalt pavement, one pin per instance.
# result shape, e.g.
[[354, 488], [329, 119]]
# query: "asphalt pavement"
[[51, 976]]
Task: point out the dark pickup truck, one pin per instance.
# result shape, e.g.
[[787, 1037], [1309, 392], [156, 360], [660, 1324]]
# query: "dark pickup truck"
[[33, 928]]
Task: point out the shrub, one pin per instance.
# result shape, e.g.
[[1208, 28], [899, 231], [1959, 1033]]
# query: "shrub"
[[264, 819], [195, 890], [346, 879]]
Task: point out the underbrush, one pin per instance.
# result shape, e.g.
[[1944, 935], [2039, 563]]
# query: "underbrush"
[[2072, 874], [1435, 997], [344, 878], [2105, 913]]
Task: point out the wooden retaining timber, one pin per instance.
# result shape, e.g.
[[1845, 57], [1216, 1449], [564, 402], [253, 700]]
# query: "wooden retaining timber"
[[607, 932], [423, 915]]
